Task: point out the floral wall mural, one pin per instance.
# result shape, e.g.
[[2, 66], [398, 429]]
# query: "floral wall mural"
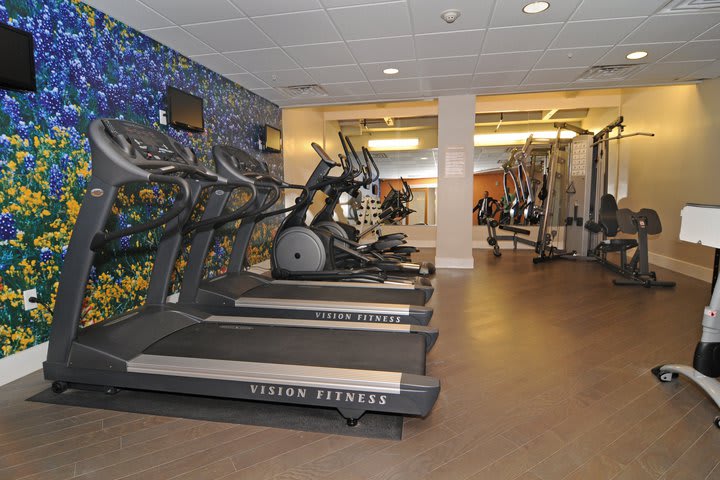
[[88, 66]]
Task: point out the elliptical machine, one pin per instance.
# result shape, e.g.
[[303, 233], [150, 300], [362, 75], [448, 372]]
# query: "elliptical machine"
[[700, 225], [299, 249]]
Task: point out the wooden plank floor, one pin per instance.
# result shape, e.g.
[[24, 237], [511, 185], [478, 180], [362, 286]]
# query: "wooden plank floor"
[[545, 376]]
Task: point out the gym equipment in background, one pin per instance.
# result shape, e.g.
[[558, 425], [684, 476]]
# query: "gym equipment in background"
[[176, 348], [302, 252], [701, 224], [247, 293], [613, 221]]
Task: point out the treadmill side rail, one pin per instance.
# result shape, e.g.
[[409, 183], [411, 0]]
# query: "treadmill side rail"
[[340, 388]]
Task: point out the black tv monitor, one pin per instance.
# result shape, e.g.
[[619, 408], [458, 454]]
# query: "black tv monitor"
[[17, 59], [273, 139], [185, 111]]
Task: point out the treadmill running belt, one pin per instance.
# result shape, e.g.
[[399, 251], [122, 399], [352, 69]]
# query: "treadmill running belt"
[[297, 346], [232, 284]]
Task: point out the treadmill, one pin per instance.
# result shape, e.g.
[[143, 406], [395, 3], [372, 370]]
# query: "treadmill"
[[178, 348], [261, 295]]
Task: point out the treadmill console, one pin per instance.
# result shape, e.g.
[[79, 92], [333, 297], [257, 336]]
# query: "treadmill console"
[[141, 144], [239, 159]]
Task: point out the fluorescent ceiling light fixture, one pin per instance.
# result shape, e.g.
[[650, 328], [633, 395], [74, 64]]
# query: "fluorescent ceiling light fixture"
[[393, 144], [636, 55], [536, 7], [390, 71], [490, 139]]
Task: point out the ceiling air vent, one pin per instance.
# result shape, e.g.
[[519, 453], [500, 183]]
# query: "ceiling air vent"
[[690, 6], [304, 91], [610, 72]]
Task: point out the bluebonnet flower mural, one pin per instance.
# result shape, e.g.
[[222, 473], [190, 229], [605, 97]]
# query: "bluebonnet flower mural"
[[88, 66]]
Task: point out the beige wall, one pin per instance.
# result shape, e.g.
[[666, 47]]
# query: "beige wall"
[[301, 127], [680, 164]]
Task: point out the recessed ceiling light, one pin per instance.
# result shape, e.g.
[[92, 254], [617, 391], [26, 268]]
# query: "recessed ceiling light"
[[536, 7], [636, 55], [390, 71]]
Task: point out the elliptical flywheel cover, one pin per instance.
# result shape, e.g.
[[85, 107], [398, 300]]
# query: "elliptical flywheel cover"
[[299, 249]]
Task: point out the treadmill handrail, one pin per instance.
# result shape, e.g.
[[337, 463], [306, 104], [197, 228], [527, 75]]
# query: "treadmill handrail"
[[180, 205]]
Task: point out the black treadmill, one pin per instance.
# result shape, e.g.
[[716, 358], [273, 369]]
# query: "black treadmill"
[[179, 348], [335, 300]]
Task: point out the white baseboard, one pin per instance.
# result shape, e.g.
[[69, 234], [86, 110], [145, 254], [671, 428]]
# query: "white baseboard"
[[451, 262], [679, 266], [22, 363]]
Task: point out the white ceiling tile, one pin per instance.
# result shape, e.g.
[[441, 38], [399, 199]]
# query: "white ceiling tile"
[[434, 67], [594, 9], [179, 40], [397, 85], [474, 14], [709, 71], [673, 28], [227, 36], [443, 92], [520, 39], [247, 80], [347, 89], [383, 49], [702, 50], [336, 74], [254, 7], [131, 12], [285, 78], [372, 21], [346, 3], [509, 12], [401, 95], [571, 57], [374, 71], [712, 34], [504, 62], [321, 55], [498, 78], [449, 44], [492, 90], [263, 60], [217, 63], [655, 51], [298, 28], [556, 75], [668, 72], [191, 11], [542, 87], [270, 94], [591, 33], [446, 82]]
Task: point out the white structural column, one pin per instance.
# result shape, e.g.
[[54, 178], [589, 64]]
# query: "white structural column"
[[456, 130]]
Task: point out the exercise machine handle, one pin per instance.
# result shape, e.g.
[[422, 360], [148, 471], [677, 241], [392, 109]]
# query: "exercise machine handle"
[[181, 204]]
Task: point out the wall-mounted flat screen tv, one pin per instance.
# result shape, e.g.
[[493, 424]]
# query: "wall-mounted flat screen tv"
[[17, 59], [185, 111], [273, 139]]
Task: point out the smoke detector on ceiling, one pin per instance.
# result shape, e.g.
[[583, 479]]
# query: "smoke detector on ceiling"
[[450, 15]]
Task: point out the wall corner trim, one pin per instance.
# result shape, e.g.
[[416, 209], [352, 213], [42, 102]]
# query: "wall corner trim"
[[22, 363], [450, 262]]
